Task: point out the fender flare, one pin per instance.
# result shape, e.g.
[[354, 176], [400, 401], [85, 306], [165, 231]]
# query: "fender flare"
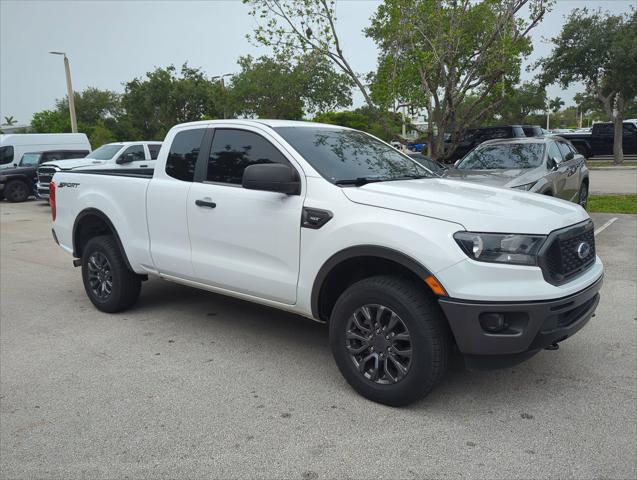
[[362, 251], [94, 212]]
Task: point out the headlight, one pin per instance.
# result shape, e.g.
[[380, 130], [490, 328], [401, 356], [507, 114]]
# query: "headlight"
[[527, 186], [500, 247]]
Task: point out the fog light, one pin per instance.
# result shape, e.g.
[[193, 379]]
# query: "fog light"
[[492, 322]]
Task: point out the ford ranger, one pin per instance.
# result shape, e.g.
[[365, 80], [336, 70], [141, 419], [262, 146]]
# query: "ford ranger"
[[338, 226]]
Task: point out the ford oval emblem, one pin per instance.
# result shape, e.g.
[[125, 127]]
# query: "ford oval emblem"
[[583, 250]]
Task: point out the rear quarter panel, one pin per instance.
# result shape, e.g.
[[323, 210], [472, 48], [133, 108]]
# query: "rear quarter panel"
[[122, 199]]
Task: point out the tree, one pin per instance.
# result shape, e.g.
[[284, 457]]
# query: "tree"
[[555, 104], [274, 88], [380, 123], [518, 106], [166, 97], [599, 50], [10, 121], [100, 135], [292, 28], [457, 58]]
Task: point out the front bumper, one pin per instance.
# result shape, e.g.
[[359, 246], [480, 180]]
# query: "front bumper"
[[531, 326], [42, 190]]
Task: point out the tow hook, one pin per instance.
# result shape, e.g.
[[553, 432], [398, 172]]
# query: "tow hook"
[[554, 346], [77, 262]]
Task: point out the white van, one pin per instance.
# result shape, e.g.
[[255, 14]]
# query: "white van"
[[14, 145]]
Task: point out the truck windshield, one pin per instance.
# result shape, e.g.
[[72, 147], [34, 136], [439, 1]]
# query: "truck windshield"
[[105, 152], [349, 157], [30, 159], [505, 156]]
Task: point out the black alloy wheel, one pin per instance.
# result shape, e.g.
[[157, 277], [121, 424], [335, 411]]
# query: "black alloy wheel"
[[379, 344]]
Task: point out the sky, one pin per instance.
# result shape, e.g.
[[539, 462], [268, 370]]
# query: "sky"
[[111, 42]]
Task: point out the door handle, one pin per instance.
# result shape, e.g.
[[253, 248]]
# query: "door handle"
[[143, 166], [204, 203]]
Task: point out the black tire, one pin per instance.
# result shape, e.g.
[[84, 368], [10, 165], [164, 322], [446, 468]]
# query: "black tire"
[[16, 191], [582, 195], [125, 285], [422, 318]]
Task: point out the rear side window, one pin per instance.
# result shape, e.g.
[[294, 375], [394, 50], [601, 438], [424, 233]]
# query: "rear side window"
[[234, 150], [6, 154], [154, 151], [603, 129], [183, 153]]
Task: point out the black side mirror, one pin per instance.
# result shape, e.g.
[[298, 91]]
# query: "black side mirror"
[[271, 177], [126, 158], [570, 156], [551, 163]]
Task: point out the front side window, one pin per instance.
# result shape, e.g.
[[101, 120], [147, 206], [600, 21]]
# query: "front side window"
[[153, 149], [30, 159], [234, 150], [554, 152], [504, 156], [106, 152], [347, 155], [564, 150], [6, 154], [135, 153], [183, 154]]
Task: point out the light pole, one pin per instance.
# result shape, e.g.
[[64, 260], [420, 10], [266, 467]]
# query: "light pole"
[[69, 90], [223, 89]]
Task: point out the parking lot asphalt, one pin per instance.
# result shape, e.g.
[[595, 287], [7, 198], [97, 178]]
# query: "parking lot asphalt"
[[191, 384], [613, 181]]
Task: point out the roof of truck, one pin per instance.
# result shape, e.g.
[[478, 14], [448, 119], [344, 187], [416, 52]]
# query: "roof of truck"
[[261, 121]]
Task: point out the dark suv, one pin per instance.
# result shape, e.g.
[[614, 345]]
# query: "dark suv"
[[475, 136], [17, 184]]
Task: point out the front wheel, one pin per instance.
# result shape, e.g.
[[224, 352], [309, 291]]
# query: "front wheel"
[[16, 191], [108, 282], [389, 339], [582, 198]]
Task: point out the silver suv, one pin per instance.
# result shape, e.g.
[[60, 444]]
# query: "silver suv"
[[546, 165]]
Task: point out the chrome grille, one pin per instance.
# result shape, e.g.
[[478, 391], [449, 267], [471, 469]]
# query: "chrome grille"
[[45, 174]]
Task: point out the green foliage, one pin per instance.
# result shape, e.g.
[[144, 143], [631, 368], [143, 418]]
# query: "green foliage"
[[613, 204], [51, 121], [457, 58], [100, 135], [380, 123], [166, 97], [272, 88], [10, 121], [519, 106], [599, 50]]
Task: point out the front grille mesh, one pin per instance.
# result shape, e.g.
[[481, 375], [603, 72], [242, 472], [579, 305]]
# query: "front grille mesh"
[[562, 257], [45, 174]]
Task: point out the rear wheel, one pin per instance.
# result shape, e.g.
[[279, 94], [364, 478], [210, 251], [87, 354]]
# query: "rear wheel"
[[16, 191], [389, 339], [582, 198], [108, 282]]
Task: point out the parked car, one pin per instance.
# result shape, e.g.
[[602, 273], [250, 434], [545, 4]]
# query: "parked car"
[[533, 130], [475, 136], [18, 184], [336, 225], [600, 139], [122, 156], [436, 167], [14, 145], [546, 165]]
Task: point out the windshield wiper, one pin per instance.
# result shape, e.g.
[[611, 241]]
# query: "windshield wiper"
[[358, 181]]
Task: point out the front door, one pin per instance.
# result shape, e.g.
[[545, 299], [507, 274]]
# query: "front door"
[[244, 241]]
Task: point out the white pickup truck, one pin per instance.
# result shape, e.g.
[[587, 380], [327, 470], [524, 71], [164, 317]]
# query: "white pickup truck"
[[336, 225], [122, 156]]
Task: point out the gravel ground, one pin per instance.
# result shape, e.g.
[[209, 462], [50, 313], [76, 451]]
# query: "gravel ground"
[[190, 384]]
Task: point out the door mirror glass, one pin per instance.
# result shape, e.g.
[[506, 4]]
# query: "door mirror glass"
[[570, 156], [271, 177], [552, 163]]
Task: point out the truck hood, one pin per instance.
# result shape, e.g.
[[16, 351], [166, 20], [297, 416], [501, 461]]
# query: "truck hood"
[[73, 163], [476, 207], [18, 171]]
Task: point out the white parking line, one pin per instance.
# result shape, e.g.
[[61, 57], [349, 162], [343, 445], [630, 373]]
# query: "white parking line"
[[605, 226]]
